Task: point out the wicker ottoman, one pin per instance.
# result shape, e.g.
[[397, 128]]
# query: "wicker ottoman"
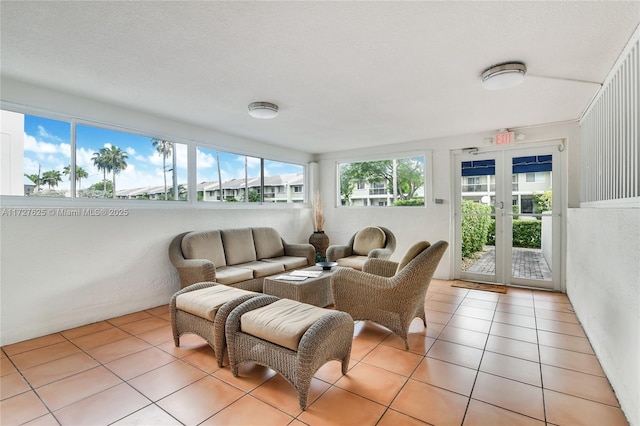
[[294, 339], [202, 309]]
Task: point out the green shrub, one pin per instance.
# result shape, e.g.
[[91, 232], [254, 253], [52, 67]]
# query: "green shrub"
[[474, 228], [491, 234], [527, 233], [411, 202]]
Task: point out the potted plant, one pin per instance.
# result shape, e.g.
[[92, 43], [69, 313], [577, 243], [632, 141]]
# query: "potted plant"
[[319, 240]]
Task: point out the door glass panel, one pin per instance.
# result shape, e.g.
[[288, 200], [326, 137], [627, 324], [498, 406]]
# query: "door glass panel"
[[531, 236], [477, 202]]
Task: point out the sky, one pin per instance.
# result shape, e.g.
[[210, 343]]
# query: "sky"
[[47, 144]]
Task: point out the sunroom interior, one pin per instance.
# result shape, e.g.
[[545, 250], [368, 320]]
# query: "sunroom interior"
[[354, 82]]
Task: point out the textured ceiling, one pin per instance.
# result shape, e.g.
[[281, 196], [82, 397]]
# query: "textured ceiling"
[[345, 74]]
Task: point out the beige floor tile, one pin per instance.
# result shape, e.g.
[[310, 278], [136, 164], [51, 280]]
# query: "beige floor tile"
[[515, 309], [463, 337], [162, 381], [100, 338], [374, 383], [249, 411], [46, 420], [482, 414], [158, 310], [515, 319], [6, 366], [445, 375], [446, 298], [138, 327], [437, 317], [157, 336], [339, 407], [281, 394], [118, 349], [418, 343], [43, 374], [468, 323], [129, 318], [139, 363], [434, 305], [565, 341], [79, 386], [200, 400], [511, 368], [510, 395], [395, 360], [557, 316], [12, 385], [514, 332], [205, 360], [560, 327], [331, 372], [394, 418], [511, 347], [43, 355], [479, 313], [483, 295], [32, 344], [515, 302], [576, 361], [150, 415], [430, 404], [465, 356], [74, 333], [578, 384], [569, 410], [21, 409], [479, 303], [103, 408]]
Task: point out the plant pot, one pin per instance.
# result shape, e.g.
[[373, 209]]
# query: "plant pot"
[[320, 241]]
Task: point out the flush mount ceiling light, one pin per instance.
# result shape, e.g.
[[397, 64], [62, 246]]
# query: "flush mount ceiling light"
[[263, 110], [504, 76]]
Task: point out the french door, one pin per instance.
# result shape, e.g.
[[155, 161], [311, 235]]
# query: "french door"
[[507, 230]]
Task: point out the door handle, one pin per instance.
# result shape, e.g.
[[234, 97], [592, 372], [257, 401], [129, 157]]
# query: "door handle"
[[499, 205]]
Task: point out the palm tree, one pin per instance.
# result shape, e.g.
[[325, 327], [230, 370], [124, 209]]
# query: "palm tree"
[[164, 148], [80, 174], [51, 178], [101, 161], [117, 162]]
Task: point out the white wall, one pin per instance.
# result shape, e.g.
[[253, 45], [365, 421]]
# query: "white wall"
[[603, 284], [60, 272], [11, 153]]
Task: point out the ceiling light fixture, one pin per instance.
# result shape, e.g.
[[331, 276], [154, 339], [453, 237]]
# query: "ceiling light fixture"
[[504, 76], [263, 110]]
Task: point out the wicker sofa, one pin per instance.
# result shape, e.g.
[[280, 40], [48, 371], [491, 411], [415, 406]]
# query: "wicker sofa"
[[240, 257]]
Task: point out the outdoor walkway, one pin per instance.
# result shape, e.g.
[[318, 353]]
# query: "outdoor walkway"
[[526, 263]]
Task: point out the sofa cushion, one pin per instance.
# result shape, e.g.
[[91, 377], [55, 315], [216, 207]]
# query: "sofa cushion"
[[230, 275], [282, 322], [355, 262], [205, 302], [238, 246], [368, 239], [268, 243], [413, 251], [261, 269], [289, 262], [204, 245]]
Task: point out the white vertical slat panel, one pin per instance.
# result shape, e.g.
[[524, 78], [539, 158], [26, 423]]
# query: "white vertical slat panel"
[[609, 132]]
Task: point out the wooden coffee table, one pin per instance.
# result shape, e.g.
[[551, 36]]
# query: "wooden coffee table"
[[313, 290]]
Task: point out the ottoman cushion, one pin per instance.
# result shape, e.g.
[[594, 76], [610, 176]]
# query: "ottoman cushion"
[[205, 302], [282, 322]]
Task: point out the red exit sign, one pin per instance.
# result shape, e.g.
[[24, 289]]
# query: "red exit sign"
[[504, 138]]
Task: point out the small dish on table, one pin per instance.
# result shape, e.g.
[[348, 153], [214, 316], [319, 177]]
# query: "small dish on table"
[[326, 266]]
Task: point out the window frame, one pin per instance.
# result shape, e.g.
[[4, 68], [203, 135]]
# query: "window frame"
[[428, 174], [191, 144]]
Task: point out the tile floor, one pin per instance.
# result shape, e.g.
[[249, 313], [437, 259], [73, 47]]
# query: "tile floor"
[[519, 358]]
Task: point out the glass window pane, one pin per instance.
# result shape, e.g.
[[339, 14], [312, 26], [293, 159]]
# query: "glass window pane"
[[227, 177], [394, 182], [284, 182], [35, 156], [128, 166]]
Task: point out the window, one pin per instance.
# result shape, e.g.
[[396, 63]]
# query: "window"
[[39, 158], [127, 166], [394, 182], [35, 156]]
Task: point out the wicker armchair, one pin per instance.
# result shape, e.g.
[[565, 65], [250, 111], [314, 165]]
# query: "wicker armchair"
[[389, 293], [349, 256]]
